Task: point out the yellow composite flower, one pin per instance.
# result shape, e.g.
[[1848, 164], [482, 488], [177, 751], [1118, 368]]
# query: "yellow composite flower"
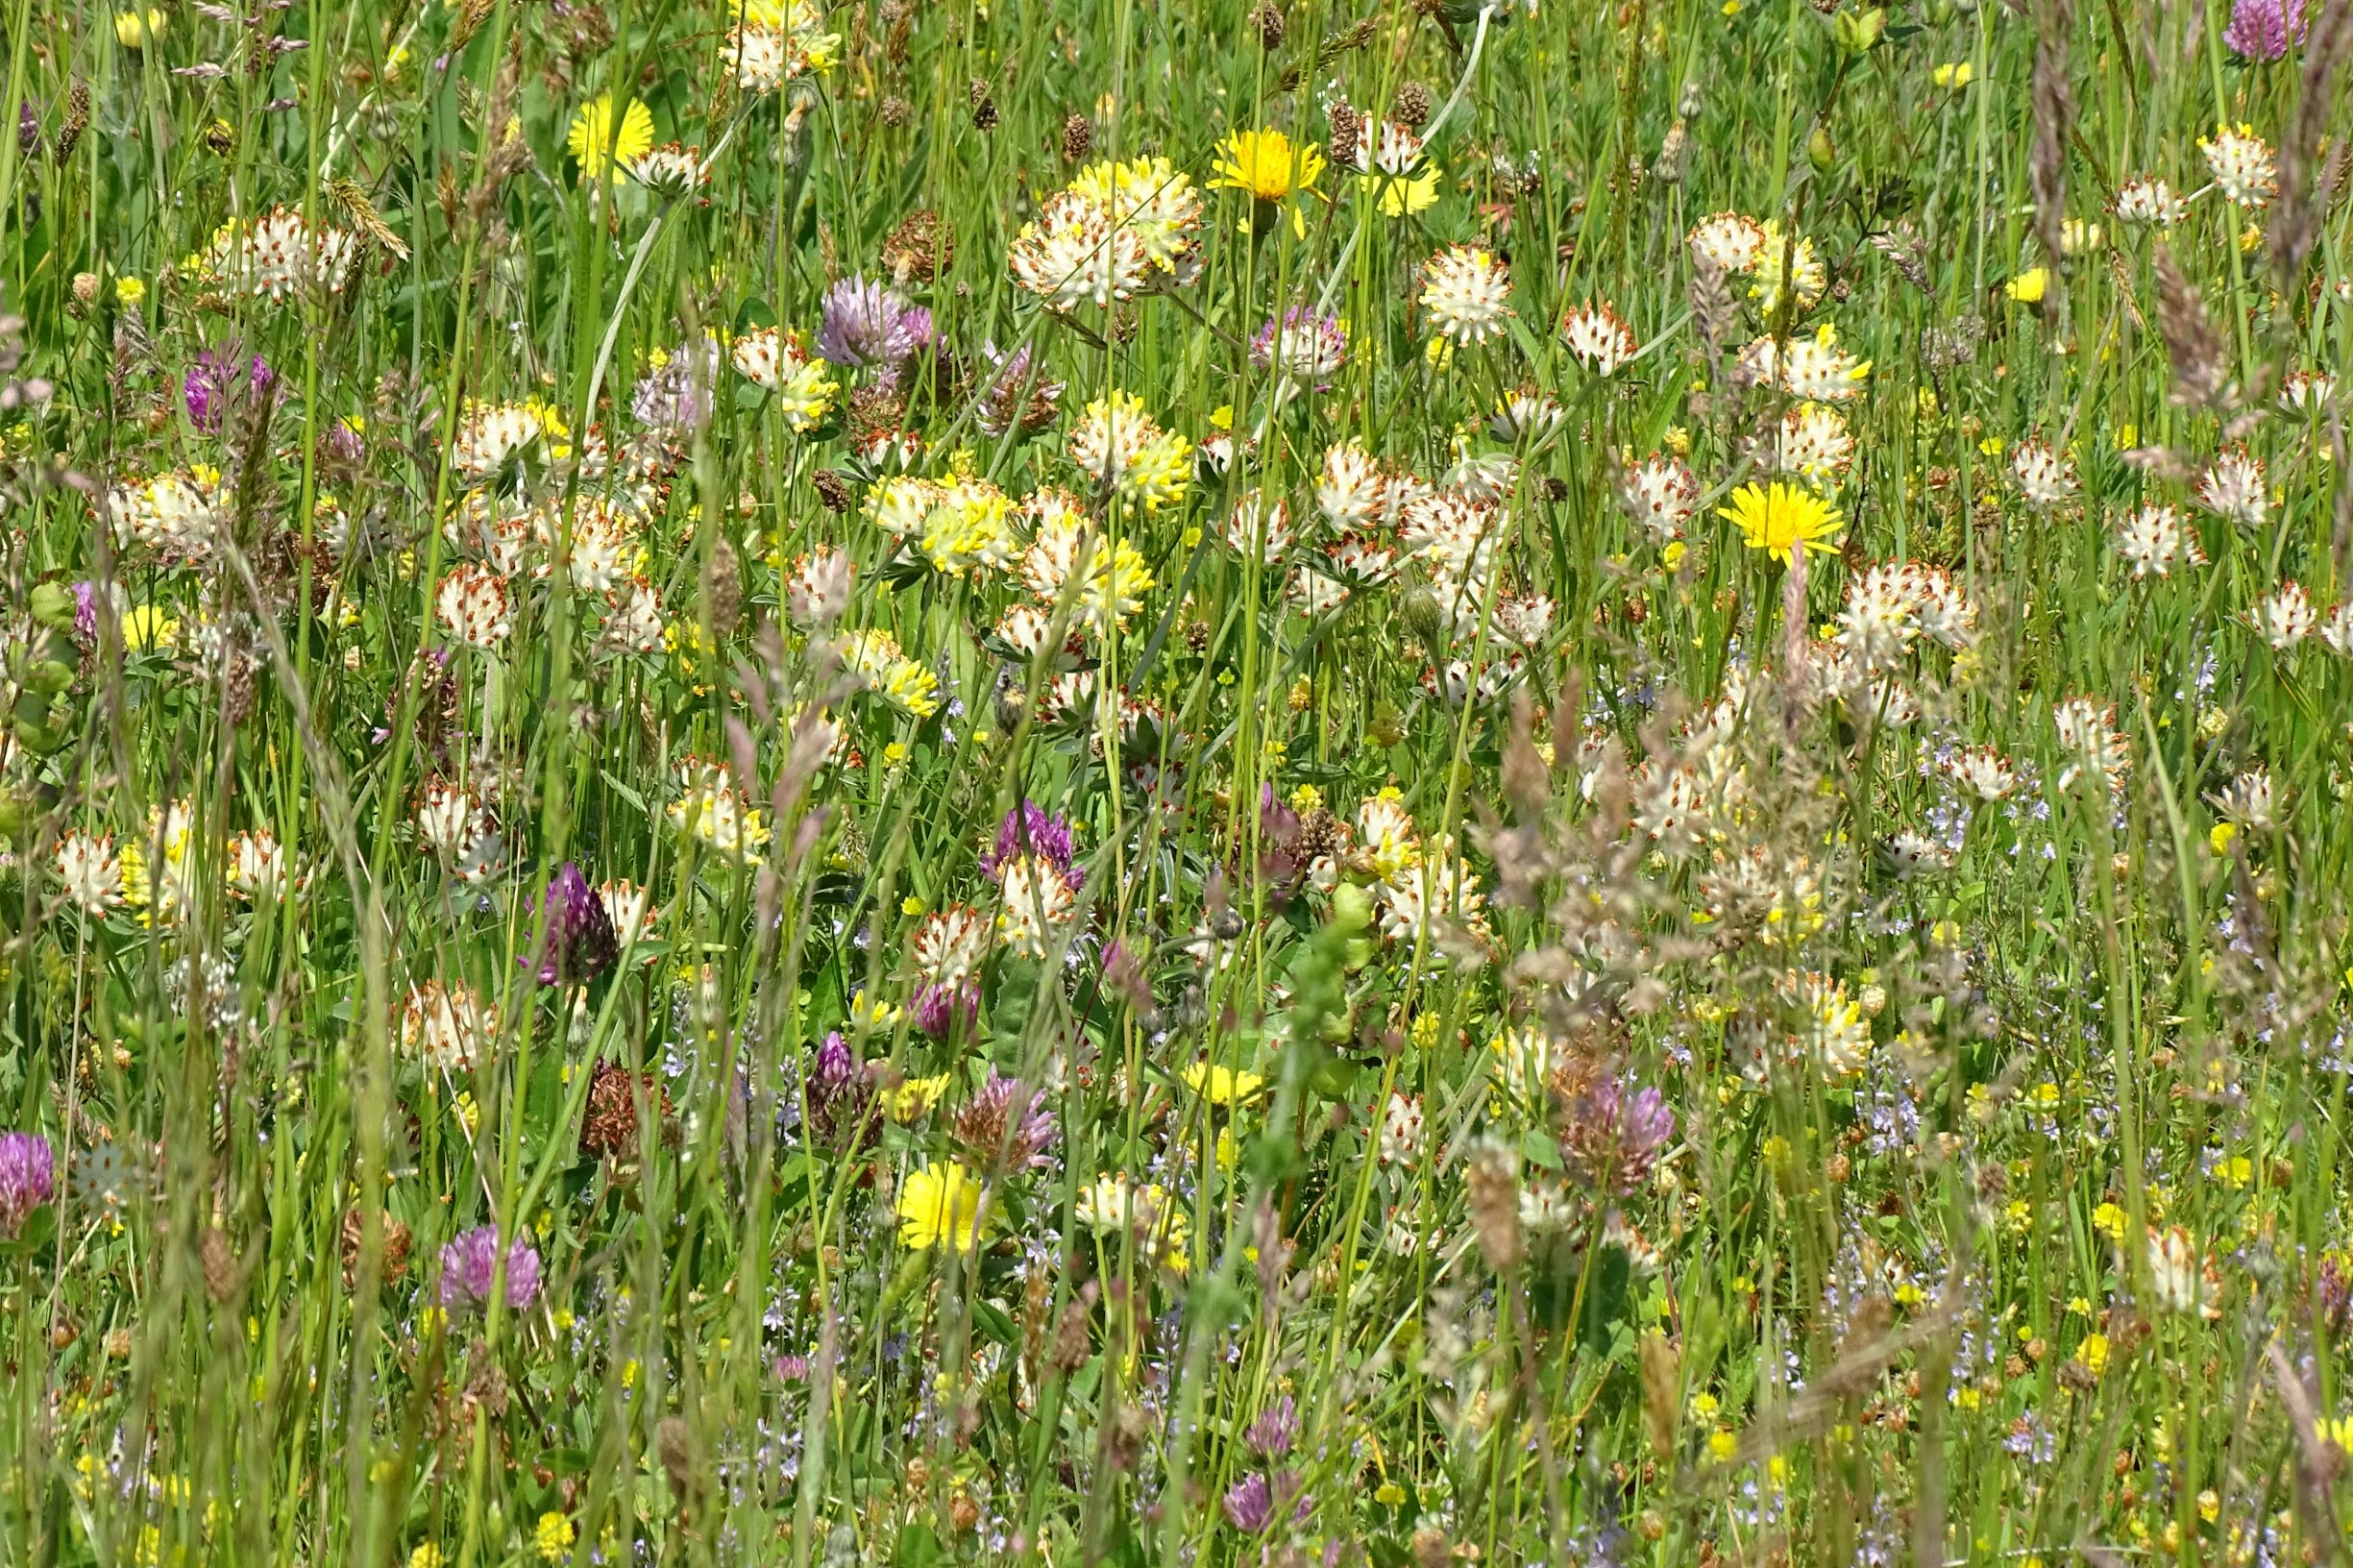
[[1403, 195], [1783, 519], [1267, 164], [1268, 167], [147, 628], [595, 146], [938, 1204], [1222, 1084], [912, 1101], [137, 29]]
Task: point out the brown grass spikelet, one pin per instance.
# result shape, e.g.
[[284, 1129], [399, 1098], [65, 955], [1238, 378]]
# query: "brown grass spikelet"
[[470, 20], [2201, 357], [353, 200], [2054, 116], [1494, 1187], [77, 120]]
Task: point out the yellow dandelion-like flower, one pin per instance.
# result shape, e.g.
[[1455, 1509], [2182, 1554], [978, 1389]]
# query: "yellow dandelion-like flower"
[[599, 147], [137, 29], [1221, 1085], [1403, 195], [1782, 519], [912, 1100], [1268, 167], [147, 628], [938, 1204], [1267, 164]]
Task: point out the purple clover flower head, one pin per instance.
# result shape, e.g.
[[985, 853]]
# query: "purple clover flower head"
[[1124, 976], [835, 1065], [1283, 859], [581, 943], [1306, 345], [840, 1092], [936, 1008], [1019, 394], [1615, 1138], [28, 1178], [675, 399], [343, 444], [866, 323], [2333, 1296], [1030, 829], [1275, 1429], [1005, 1126], [219, 381], [28, 127], [2260, 30], [1249, 1505], [467, 1264]]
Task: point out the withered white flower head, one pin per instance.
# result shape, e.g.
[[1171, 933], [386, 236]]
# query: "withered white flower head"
[[473, 604], [492, 436], [1038, 904], [2285, 617], [447, 1026], [1597, 339], [2243, 168], [952, 944], [633, 621], [2094, 746], [1661, 494], [2232, 488], [2153, 541], [2044, 478], [1982, 773], [1466, 293], [2148, 201], [2337, 630], [1812, 369], [670, 170], [89, 871], [818, 592], [1815, 442], [1259, 529], [1733, 243], [180, 516], [2251, 800], [1349, 492], [278, 256]]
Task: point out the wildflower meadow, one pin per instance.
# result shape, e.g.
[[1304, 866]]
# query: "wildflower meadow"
[[1279, 783]]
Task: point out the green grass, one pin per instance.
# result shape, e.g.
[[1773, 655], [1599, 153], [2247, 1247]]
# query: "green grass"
[[2001, 1217]]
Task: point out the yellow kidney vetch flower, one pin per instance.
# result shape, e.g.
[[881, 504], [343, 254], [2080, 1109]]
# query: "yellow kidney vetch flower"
[[601, 149]]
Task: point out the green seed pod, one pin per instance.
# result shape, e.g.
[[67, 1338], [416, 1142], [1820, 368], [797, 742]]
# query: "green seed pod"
[[1859, 31], [53, 606]]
